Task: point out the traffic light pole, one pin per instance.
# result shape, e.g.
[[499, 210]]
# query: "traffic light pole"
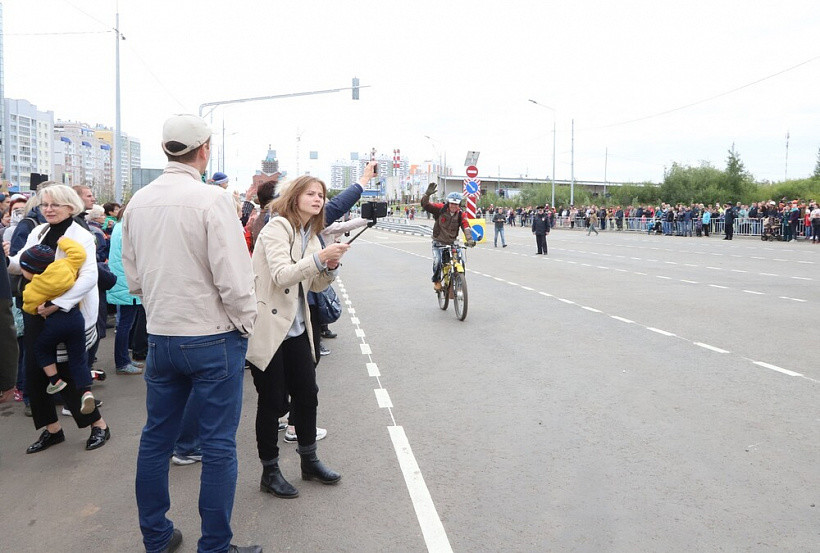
[[213, 105]]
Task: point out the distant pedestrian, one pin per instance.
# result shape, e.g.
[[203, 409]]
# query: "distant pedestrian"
[[593, 221], [541, 228], [729, 221], [498, 220]]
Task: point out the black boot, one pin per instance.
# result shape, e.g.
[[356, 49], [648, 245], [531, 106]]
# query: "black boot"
[[273, 482], [313, 469]]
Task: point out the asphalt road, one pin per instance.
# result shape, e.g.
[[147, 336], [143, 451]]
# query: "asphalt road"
[[625, 393]]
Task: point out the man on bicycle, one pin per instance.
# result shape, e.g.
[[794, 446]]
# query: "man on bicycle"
[[449, 217]]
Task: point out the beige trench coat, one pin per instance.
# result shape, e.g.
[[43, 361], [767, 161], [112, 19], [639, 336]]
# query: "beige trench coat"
[[279, 268]]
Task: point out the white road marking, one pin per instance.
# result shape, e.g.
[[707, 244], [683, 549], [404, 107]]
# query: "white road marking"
[[776, 368], [719, 286], [713, 348], [431, 527], [671, 262], [359, 333], [768, 274], [802, 278], [738, 271], [591, 309], [793, 299], [659, 331], [715, 268], [354, 320], [365, 349], [663, 277], [373, 370], [511, 283], [753, 292], [383, 398], [545, 294], [689, 281], [566, 301], [527, 288], [642, 274], [617, 318]]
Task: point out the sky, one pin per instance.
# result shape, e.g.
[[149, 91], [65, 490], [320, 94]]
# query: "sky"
[[646, 83]]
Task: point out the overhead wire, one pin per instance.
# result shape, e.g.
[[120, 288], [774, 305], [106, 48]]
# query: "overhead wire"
[[709, 99], [133, 51]]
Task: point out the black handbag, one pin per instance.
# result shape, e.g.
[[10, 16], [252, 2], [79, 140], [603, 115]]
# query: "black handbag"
[[330, 308]]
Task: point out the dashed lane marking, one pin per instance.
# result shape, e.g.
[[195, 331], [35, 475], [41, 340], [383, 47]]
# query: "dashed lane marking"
[[432, 529], [712, 348]]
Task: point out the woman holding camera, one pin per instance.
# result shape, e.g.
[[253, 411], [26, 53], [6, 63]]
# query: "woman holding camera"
[[288, 261]]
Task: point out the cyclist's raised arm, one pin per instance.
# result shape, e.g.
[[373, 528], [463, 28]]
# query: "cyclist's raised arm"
[[429, 206]]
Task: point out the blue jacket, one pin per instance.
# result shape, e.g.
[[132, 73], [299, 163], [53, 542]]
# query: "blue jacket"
[[118, 295], [341, 203]]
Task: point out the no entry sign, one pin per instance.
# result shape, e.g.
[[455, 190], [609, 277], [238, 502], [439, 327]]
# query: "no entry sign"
[[472, 171]]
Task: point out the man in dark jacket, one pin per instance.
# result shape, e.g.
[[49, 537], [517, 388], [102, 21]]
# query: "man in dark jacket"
[[445, 230], [729, 221], [541, 228], [499, 219]]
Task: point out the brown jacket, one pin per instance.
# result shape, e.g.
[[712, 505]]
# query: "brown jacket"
[[445, 231]]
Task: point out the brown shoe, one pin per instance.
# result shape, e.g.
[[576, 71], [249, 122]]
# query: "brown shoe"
[[437, 286]]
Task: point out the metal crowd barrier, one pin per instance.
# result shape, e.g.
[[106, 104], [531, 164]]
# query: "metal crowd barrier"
[[746, 226]]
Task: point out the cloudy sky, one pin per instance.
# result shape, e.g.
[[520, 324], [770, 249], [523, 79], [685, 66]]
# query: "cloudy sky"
[[648, 83]]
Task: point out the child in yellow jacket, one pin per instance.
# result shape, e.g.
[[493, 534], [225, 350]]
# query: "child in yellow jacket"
[[50, 279]]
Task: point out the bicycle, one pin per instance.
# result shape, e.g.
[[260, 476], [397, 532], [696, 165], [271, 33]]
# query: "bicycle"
[[453, 280]]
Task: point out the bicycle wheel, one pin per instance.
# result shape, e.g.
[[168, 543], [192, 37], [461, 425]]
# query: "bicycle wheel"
[[460, 295], [444, 295]]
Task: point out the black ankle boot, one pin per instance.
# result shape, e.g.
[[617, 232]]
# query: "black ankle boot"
[[313, 469], [273, 482]]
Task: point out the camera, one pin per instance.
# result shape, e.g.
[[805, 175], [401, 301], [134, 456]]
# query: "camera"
[[374, 210]]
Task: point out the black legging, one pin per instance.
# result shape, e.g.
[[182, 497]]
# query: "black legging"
[[291, 371]]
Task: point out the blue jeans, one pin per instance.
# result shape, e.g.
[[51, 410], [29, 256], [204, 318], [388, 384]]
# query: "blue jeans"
[[125, 319], [209, 369], [438, 247], [499, 232], [188, 442]]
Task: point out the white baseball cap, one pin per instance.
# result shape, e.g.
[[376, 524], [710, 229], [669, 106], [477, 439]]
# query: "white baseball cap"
[[188, 130]]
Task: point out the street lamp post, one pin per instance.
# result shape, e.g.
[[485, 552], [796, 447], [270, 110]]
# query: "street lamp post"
[[552, 200]]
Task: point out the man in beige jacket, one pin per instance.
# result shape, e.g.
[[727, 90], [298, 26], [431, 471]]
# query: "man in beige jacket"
[[184, 254]]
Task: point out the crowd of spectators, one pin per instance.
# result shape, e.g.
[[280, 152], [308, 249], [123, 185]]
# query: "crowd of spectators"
[[788, 220]]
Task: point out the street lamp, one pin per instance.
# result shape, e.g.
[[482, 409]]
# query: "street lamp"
[[552, 202]]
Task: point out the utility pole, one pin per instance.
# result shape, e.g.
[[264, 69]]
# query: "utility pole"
[[606, 160], [118, 122], [572, 164]]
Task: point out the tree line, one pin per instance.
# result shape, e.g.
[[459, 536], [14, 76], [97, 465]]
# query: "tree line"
[[681, 184]]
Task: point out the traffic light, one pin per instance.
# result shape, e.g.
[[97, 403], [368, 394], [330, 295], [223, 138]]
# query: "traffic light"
[[355, 88]]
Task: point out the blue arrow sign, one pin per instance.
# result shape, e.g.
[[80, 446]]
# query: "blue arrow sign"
[[472, 187]]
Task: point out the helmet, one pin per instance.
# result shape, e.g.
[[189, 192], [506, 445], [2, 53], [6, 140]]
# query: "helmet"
[[454, 198]]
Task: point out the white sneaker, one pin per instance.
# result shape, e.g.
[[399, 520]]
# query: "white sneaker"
[[290, 437], [182, 460], [66, 412]]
